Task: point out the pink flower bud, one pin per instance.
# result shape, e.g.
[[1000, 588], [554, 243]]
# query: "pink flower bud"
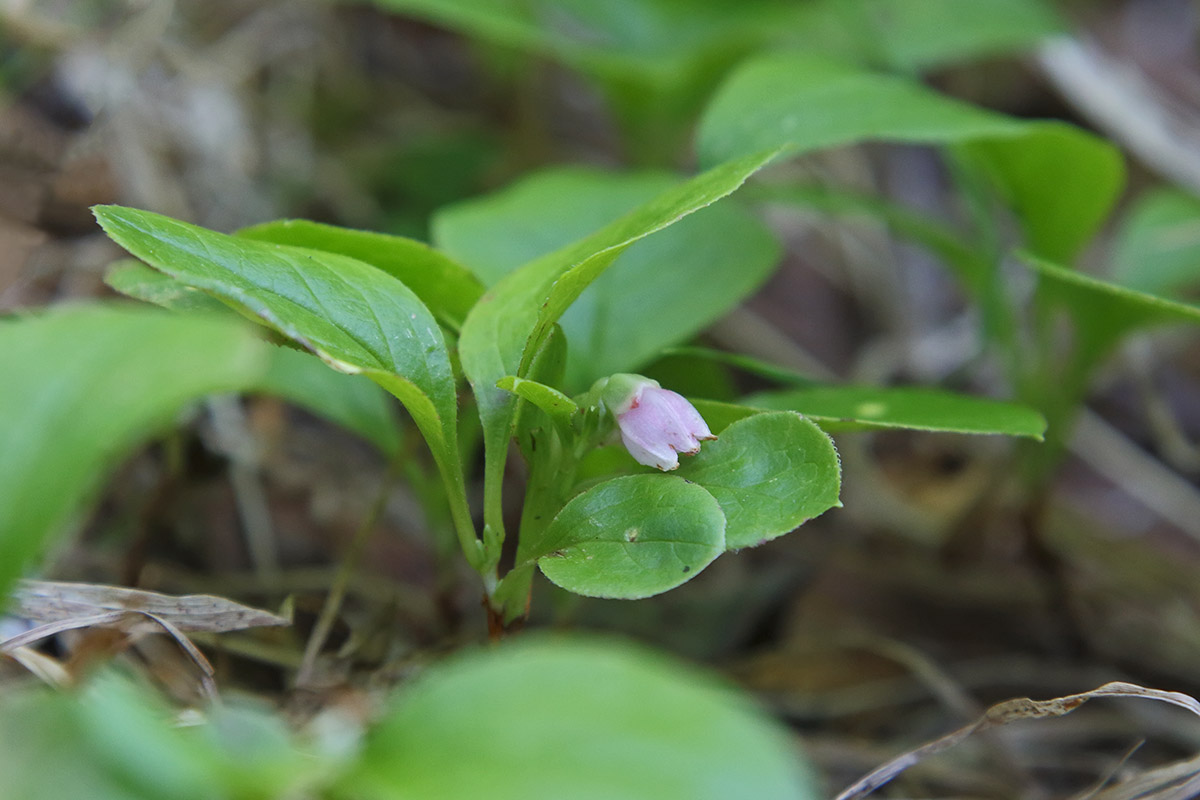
[[656, 424]]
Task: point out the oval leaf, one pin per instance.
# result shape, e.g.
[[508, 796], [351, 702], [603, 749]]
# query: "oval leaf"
[[770, 473], [633, 537], [586, 719]]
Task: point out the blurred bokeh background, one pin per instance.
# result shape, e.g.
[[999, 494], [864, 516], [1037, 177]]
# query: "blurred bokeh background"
[[871, 628]]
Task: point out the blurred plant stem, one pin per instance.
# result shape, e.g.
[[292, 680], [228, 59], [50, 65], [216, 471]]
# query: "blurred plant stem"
[[346, 570]]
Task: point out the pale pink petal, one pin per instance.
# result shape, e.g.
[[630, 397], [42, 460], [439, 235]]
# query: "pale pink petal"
[[657, 455], [659, 423], [687, 414]]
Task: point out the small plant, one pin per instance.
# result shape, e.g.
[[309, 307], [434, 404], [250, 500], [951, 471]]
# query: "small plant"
[[619, 530], [516, 341]]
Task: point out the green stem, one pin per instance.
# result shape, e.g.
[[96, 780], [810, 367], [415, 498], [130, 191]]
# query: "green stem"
[[449, 465], [998, 315], [493, 489], [552, 477], [542, 498], [460, 513]]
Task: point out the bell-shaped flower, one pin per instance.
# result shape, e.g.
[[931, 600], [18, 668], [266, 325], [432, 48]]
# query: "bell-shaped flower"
[[656, 424]]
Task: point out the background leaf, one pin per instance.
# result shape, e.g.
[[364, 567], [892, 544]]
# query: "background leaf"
[[632, 537], [1062, 180], [1103, 312], [1157, 246], [352, 401], [804, 103], [770, 473], [662, 290], [657, 39], [585, 719], [82, 387], [919, 34], [955, 250], [114, 741], [848, 408], [538, 214], [654, 40]]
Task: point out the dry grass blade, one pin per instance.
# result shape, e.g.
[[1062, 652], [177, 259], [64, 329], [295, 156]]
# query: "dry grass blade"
[[207, 674], [1177, 781], [127, 621], [59, 607], [45, 668], [1011, 711], [48, 629], [46, 602]]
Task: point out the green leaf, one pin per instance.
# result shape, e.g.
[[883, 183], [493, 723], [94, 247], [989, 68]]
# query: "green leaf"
[[507, 326], [651, 40], [1060, 179], [447, 288], [1157, 246], [556, 404], [803, 103], [955, 250], [661, 291], [770, 473], [1102, 311], [82, 387], [108, 744], [586, 719], [356, 317], [114, 741], [1061, 182], [849, 408], [538, 214], [134, 279], [352, 401], [694, 371], [653, 61], [919, 34], [632, 537], [662, 37], [720, 415]]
